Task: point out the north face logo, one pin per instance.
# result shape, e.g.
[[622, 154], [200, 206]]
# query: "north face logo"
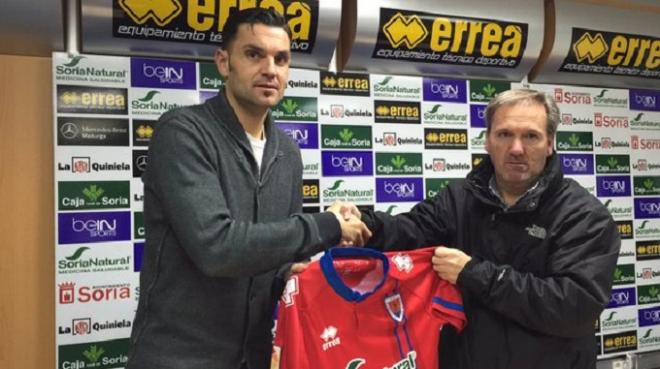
[[536, 231]]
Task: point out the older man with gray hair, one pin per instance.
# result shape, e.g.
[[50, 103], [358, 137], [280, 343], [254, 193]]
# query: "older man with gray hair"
[[532, 252]]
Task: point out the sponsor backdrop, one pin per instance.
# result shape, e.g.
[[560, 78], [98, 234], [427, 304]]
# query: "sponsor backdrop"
[[381, 141]]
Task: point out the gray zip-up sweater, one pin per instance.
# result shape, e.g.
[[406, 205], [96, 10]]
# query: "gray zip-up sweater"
[[217, 231]]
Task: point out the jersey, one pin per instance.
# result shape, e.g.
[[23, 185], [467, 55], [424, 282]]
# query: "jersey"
[[357, 308]]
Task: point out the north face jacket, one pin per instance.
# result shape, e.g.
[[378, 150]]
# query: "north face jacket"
[[540, 275], [217, 231]]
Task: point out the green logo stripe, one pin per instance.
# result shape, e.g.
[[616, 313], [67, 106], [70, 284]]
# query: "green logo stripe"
[[435, 185], [484, 90], [93, 195], [76, 255], [649, 294], [296, 109], [624, 274], [575, 141], [399, 163], [612, 164], [97, 355], [346, 137], [646, 185], [138, 225], [209, 78]]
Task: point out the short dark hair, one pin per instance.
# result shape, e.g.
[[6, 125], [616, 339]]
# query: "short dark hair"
[[252, 16]]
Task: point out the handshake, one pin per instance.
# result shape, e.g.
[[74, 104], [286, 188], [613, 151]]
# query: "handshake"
[[353, 231]]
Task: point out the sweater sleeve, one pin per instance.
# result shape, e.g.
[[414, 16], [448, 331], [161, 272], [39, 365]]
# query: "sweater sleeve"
[[577, 287], [183, 178], [429, 223]]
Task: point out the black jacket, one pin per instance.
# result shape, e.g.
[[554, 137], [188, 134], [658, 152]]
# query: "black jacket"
[[217, 229], [540, 275]]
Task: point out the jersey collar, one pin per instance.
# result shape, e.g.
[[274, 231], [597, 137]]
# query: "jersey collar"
[[331, 275]]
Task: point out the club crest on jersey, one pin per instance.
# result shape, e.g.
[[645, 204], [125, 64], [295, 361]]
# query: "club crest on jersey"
[[394, 305], [403, 262]]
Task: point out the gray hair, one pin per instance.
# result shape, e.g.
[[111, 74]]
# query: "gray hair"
[[524, 95]]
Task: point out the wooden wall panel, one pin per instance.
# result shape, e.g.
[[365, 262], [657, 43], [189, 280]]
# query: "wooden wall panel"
[[27, 310]]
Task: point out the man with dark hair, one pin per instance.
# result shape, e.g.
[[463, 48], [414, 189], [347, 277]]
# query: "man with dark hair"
[[222, 203], [532, 252]]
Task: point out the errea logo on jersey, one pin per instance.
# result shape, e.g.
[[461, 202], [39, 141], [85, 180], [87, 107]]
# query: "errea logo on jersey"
[[329, 337]]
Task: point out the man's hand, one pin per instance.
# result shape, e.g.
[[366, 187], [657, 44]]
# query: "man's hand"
[[449, 263], [346, 209], [295, 269], [353, 231]]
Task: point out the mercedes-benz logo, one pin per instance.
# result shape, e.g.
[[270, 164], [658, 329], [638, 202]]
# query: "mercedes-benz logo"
[[69, 130], [141, 162]]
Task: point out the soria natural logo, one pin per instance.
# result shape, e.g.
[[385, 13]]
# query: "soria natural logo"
[[74, 61], [76, 255], [336, 185]]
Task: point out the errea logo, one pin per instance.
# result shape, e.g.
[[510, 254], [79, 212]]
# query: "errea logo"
[[409, 31], [329, 337], [160, 12]]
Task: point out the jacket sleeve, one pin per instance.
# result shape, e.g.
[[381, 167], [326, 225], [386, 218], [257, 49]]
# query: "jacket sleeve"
[[182, 176], [576, 289], [428, 223]]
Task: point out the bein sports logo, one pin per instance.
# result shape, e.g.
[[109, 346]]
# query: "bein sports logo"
[[612, 186], [577, 163], [162, 73], [622, 297], [352, 163], [647, 208], [348, 164], [649, 316], [478, 116], [444, 90], [644, 100], [305, 135], [93, 227], [398, 189]]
